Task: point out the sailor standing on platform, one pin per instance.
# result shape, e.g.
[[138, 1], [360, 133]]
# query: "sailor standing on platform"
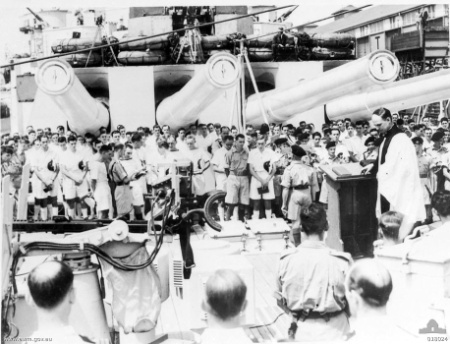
[[284, 152], [311, 283], [75, 185], [218, 163], [123, 193], [200, 161], [132, 164], [99, 182], [236, 169], [44, 181], [261, 185], [300, 186]]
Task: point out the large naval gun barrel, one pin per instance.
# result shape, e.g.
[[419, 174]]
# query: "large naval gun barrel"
[[280, 104], [401, 95], [84, 114], [221, 72]]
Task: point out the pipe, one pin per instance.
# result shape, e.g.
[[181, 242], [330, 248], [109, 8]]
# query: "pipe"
[[221, 72], [84, 114], [280, 104], [397, 96]]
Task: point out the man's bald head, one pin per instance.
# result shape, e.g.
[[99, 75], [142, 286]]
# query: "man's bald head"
[[49, 284], [370, 280]]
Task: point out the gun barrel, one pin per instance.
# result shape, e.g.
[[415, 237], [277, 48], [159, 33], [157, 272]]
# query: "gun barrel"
[[84, 113], [221, 72], [397, 96], [379, 67]]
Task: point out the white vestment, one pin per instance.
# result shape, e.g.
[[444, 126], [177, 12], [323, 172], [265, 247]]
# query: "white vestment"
[[398, 180]]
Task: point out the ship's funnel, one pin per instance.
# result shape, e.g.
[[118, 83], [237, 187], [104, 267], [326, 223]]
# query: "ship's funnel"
[[84, 114], [397, 96], [221, 72], [281, 104]]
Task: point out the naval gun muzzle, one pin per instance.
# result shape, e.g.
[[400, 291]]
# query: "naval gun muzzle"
[[84, 114], [400, 95], [221, 72], [281, 104]]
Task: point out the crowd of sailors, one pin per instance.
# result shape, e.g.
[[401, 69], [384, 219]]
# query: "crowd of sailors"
[[270, 170]]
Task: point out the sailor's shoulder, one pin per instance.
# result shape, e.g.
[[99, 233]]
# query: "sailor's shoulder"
[[345, 256], [288, 252]]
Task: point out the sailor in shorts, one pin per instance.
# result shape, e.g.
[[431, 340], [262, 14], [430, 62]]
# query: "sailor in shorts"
[[99, 183], [132, 164], [122, 194], [261, 185], [75, 185], [236, 169], [44, 182], [300, 186]]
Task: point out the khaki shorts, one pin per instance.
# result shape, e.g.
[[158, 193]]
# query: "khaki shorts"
[[124, 199], [299, 199], [237, 190]]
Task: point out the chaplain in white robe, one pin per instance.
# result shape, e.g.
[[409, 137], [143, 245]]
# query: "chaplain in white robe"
[[397, 171]]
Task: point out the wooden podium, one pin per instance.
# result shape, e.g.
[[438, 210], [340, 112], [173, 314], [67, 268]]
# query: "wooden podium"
[[351, 215]]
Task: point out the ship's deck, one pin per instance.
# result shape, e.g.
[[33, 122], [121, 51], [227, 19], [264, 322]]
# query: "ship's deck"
[[272, 322]]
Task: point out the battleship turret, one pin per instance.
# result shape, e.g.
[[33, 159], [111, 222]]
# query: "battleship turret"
[[220, 73], [281, 104], [84, 113], [401, 95]]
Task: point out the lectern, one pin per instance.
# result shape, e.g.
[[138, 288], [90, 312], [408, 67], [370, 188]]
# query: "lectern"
[[351, 209]]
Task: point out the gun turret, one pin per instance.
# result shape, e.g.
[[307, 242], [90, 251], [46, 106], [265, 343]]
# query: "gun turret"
[[280, 104], [84, 113], [221, 72], [401, 95]]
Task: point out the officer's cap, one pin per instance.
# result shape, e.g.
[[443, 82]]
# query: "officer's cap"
[[437, 136], [370, 139], [280, 141], [298, 151]]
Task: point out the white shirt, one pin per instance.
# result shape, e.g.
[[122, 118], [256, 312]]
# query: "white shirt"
[[256, 158], [204, 142], [98, 171], [355, 144], [341, 149], [150, 143], [40, 160], [181, 145], [70, 161], [218, 159], [197, 156], [156, 158]]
